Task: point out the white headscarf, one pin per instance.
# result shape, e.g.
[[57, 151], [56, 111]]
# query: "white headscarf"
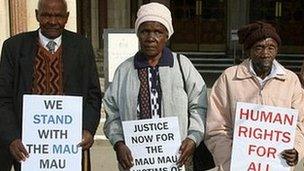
[[155, 12]]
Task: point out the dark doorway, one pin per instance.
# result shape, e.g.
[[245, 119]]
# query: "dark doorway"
[[200, 25], [288, 16], [84, 18]]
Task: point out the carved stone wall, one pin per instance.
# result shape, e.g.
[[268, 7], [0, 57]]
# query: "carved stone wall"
[[18, 16], [4, 18]]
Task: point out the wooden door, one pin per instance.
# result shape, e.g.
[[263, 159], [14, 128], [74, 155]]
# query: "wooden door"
[[200, 25], [287, 16]]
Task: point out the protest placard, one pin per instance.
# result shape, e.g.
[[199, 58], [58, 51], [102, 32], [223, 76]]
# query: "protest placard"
[[261, 133], [51, 130], [154, 143]]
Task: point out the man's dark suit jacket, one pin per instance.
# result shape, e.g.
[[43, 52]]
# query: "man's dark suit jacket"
[[16, 76]]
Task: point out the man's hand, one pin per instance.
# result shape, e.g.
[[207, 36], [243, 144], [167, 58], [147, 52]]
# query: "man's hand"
[[18, 150], [291, 156], [123, 155], [87, 140], [186, 150]]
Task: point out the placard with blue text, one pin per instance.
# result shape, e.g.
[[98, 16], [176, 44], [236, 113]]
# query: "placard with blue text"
[[51, 130]]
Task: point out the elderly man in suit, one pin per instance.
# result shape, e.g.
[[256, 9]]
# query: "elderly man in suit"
[[49, 61]]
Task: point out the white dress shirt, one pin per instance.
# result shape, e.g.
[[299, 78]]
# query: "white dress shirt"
[[44, 41], [276, 69]]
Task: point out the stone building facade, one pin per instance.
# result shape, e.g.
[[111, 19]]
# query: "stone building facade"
[[205, 30]]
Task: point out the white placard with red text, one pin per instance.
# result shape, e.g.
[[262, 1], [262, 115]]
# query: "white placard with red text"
[[261, 133], [154, 143]]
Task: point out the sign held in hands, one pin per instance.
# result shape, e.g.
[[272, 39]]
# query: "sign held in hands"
[[261, 133], [154, 143], [51, 130]]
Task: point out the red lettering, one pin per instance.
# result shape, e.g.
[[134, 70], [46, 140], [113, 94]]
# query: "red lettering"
[[278, 118], [286, 137], [264, 134], [263, 116], [244, 114], [252, 167], [266, 118], [254, 115], [257, 133], [271, 151], [243, 130], [268, 135], [262, 151], [251, 149], [278, 133], [288, 119], [257, 167]]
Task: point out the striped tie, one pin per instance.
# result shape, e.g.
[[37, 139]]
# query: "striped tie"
[[51, 46]]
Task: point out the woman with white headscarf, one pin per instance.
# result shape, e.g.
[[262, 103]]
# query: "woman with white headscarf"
[[150, 85]]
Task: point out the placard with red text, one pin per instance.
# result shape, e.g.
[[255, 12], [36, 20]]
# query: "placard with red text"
[[261, 133]]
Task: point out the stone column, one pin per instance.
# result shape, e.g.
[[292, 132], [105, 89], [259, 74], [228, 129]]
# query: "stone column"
[[18, 16], [94, 24], [4, 18], [118, 14], [84, 18], [237, 15]]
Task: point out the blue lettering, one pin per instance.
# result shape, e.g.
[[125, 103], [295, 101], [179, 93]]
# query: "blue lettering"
[[68, 119], [43, 118], [65, 149], [52, 119], [36, 119]]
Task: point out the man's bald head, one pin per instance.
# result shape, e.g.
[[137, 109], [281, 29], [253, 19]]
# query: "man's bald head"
[[40, 3]]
